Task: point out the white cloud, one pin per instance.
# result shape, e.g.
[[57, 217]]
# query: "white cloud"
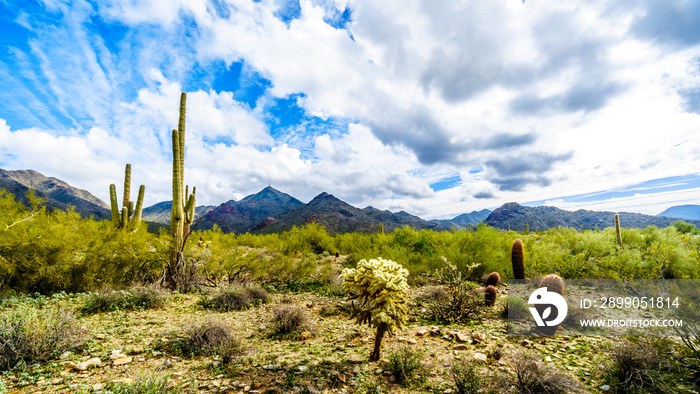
[[547, 99]]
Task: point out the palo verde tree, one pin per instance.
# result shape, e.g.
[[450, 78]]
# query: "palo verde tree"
[[378, 290], [130, 216], [182, 212]]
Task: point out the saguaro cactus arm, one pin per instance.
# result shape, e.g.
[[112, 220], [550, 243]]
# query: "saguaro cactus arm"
[[129, 216]]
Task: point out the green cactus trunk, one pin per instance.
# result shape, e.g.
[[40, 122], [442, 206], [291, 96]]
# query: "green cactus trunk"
[[618, 233], [182, 212], [129, 216]]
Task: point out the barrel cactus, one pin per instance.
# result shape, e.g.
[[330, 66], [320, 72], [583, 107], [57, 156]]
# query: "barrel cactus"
[[517, 258], [493, 279], [490, 294], [378, 289]]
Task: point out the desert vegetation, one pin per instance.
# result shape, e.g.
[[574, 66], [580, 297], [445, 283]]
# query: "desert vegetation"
[[106, 306]]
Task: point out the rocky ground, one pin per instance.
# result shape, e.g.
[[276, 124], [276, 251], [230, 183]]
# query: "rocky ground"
[[331, 356]]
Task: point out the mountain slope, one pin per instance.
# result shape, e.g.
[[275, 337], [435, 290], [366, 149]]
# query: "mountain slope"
[[464, 220], [513, 216], [58, 194], [340, 217], [685, 212], [160, 212], [241, 216]]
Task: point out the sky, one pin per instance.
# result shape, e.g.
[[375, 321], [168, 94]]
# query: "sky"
[[434, 108]]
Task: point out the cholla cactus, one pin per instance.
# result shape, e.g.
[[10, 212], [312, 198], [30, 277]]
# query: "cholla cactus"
[[379, 288]]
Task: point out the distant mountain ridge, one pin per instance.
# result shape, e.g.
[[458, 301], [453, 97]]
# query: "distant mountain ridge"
[[513, 216], [58, 194], [160, 212], [464, 220], [685, 212], [241, 216], [340, 217]]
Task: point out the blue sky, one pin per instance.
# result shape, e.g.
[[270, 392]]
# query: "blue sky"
[[433, 108]]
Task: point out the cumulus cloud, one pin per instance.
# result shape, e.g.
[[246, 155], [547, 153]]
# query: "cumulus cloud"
[[524, 101]]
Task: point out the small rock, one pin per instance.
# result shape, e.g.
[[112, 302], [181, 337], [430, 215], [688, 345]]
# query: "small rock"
[[93, 362], [605, 387], [356, 370], [122, 360], [478, 336], [448, 391], [412, 341], [392, 379], [69, 365], [422, 333], [341, 378], [100, 336], [548, 359], [461, 337], [460, 347], [98, 386], [65, 355], [435, 331], [526, 343], [246, 389], [305, 335], [480, 357]]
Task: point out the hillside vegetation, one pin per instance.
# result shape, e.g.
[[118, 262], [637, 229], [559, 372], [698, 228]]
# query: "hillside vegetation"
[[83, 310]]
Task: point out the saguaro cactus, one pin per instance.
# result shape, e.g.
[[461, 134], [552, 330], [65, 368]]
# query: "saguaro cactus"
[[379, 287], [517, 258], [182, 212], [618, 233], [129, 217]]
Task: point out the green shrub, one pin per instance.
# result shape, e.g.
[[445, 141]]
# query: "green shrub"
[[288, 320], [463, 303], [145, 385], [466, 378], [532, 376], [211, 337], [30, 335], [139, 297], [403, 362], [636, 367], [235, 298]]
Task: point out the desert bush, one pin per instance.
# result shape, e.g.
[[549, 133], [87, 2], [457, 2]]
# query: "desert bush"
[[462, 303], [403, 362], [515, 308], [138, 297], [636, 367], [235, 298], [466, 377], [288, 320], [532, 376], [145, 385], [211, 337], [33, 335]]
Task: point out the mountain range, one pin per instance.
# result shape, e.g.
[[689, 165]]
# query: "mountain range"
[[56, 193], [271, 210], [513, 216]]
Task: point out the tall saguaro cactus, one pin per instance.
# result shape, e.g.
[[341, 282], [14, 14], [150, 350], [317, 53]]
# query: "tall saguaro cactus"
[[618, 233], [129, 217], [182, 212]]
